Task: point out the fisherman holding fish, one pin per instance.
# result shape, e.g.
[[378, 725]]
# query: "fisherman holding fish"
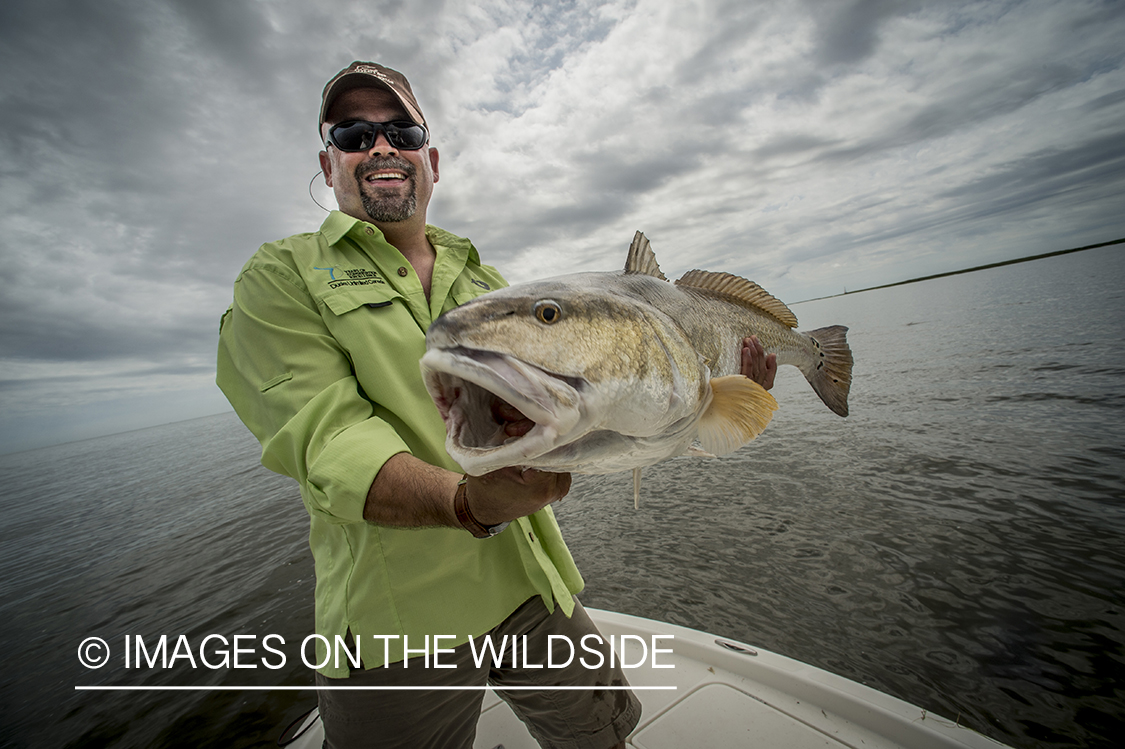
[[319, 355]]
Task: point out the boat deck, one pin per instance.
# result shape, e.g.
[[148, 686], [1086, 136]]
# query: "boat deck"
[[732, 695]]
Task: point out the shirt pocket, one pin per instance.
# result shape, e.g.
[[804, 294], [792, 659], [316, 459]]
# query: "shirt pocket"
[[373, 296], [374, 326]]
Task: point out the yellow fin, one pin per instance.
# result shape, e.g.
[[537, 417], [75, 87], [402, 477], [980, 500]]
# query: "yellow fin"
[[741, 290], [636, 488], [740, 409], [642, 259]]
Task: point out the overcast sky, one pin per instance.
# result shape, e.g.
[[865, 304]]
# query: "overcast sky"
[[149, 147]]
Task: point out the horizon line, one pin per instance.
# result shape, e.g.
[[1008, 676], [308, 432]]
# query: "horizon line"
[[1014, 261]]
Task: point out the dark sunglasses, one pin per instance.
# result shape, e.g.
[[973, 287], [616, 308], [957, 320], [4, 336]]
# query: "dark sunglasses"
[[360, 135]]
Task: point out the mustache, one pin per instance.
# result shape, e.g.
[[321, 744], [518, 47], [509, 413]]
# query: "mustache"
[[384, 162]]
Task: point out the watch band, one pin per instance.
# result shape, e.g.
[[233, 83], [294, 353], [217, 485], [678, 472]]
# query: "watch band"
[[465, 515]]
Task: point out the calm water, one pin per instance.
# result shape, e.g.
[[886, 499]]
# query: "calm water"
[[959, 541]]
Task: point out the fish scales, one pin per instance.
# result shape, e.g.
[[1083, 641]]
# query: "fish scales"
[[716, 326]]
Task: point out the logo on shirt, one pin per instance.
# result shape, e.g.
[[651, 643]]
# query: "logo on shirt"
[[482, 284], [351, 277]]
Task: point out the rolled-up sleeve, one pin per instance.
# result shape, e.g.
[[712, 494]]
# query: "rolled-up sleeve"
[[295, 388]]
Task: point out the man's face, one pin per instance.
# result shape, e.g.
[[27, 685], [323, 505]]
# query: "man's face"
[[382, 185]]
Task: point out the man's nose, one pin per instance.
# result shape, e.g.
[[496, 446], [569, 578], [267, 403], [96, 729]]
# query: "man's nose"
[[382, 146]]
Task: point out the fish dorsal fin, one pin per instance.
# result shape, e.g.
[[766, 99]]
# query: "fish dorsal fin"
[[740, 409], [642, 259], [741, 290]]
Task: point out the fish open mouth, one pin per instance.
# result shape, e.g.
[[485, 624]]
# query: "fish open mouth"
[[498, 410]]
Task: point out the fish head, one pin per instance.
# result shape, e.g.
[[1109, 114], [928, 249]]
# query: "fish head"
[[572, 355]]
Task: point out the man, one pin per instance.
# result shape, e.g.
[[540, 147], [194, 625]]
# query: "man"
[[319, 357]]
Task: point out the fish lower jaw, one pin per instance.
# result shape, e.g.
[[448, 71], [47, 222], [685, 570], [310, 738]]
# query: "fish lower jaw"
[[512, 451]]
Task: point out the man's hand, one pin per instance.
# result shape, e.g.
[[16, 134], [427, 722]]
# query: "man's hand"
[[756, 364], [409, 493], [511, 493]]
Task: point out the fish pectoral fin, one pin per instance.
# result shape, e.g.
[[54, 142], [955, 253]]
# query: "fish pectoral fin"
[[697, 451], [740, 409]]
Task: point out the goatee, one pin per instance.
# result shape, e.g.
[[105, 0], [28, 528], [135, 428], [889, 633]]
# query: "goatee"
[[381, 207]]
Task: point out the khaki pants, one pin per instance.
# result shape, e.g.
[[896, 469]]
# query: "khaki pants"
[[446, 719]]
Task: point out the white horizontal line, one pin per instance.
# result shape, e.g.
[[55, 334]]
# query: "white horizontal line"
[[337, 688]]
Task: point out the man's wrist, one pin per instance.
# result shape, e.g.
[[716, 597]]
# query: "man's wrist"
[[465, 515]]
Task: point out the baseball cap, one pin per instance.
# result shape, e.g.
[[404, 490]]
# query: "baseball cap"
[[370, 74]]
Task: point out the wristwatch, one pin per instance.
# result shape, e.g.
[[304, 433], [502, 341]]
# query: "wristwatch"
[[465, 516]]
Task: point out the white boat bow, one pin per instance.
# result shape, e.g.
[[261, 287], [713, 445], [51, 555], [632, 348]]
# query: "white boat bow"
[[728, 694]]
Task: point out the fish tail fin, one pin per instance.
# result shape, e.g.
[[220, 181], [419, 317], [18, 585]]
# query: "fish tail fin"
[[740, 409], [832, 376]]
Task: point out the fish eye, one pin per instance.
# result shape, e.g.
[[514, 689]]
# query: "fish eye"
[[548, 311]]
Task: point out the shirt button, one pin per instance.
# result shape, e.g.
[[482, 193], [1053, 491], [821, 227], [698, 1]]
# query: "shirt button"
[[369, 230], [402, 272]]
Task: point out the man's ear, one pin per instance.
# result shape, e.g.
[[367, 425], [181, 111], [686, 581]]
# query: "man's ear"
[[326, 167], [434, 162]]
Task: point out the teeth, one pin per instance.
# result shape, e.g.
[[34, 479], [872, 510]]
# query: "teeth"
[[386, 176]]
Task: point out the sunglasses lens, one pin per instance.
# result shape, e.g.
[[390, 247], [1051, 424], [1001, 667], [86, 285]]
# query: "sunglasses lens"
[[360, 136], [406, 135], [352, 136]]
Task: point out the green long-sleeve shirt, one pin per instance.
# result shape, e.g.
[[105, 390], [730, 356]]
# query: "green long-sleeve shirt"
[[319, 357]]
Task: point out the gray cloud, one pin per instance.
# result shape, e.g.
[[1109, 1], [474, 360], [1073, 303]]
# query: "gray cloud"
[[849, 33], [1039, 176]]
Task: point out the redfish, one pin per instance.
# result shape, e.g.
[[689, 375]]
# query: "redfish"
[[604, 372]]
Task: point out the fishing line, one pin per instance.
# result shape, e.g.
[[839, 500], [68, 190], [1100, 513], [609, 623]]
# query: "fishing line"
[[326, 210]]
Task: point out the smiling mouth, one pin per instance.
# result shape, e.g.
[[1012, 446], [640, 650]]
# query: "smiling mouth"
[[388, 171], [372, 179]]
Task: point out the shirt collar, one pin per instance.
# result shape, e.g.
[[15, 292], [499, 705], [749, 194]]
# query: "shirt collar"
[[338, 224]]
